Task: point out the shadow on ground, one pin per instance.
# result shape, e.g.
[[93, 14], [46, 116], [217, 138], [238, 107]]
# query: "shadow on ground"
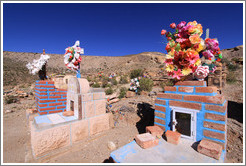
[[109, 160], [235, 111], [146, 113]]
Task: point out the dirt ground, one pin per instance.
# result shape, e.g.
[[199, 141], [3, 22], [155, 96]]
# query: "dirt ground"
[[16, 138]]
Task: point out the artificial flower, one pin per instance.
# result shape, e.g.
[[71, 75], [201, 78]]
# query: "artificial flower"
[[194, 39], [177, 74], [186, 71], [169, 68], [163, 32], [173, 25]]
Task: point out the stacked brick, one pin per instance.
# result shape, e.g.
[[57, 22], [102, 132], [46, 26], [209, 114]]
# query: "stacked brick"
[[211, 106], [48, 98]]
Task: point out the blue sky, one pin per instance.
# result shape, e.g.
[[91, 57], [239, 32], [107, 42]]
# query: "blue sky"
[[113, 29]]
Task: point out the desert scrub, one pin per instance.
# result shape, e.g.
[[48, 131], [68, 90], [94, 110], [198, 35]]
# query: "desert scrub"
[[122, 92], [104, 83], [10, 99], [109, 91], [96, 85], [123, 79], [136, 73], [166, 83], [146, 84], [232, 67], [231, 78], [114, 81]]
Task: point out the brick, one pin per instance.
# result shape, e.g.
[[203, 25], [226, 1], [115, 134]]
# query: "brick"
[[215, 117], [57, 111], [163, 102], [58, 93], [173, 137], [169, 96], [55, 104], [51, 90], [213, 134], [146, 140], [55, 97], [211, 89], [186, 89], [170, 88], [210, 149], [42, 113], [216, 108], [196, 106], [45, 86], [46, 101], [191, 83], [40, 93], [155, 131], [68, 113], [45, 109], [43, 97], [159, 108], [160, 115], [40, 89], [162, 127], [62, 100], [59, 107], [215, 126], [42, 105], [160, 121], [219, 99], [45, 82], [222, 144]]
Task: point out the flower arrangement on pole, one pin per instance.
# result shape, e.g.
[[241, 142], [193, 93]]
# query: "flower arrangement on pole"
[[186, 49]]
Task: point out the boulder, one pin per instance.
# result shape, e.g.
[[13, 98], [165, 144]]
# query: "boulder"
[[130, 94]]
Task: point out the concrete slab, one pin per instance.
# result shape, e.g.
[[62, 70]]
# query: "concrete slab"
[[56, 118], [163, 153]]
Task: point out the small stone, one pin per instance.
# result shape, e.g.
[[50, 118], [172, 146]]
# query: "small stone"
[[144, 93], [130, 94], [9, 111], [111, 146], [68, 113]]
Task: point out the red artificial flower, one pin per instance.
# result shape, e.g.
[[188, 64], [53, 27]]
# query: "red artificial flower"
[[173, 25], [163, 32]]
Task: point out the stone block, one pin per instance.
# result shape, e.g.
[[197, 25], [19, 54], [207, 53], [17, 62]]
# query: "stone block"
[[45, 141], [79, 130], [210, 149], [155, 131], [173, 137], [99, 124], [98, 95], [146, 140], [84, 85], [87, 97], [89, 109], [100, 107]]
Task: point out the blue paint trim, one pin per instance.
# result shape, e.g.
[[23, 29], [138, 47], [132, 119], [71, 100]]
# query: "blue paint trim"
[[160, 124], [191, 101], [192, 93], [214, 139], [161, 105], [160, 118], [199, 125], [215, 112], [214, 121], [217, 131], [46, 84], [189, 86], [160, 112], [168, 116]]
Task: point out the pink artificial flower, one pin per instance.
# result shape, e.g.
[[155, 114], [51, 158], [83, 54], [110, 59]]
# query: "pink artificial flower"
[[169, 61], [208, 54], [181, 24], [201, 72], [173, 25], [178, 74], [163, 32]]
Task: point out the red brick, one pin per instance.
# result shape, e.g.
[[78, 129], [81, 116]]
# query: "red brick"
[[54, 104], [46, 86], [169, 96], [40, 89], [163, 102], [186, 89], [210, 149], [58, 93], [159, 108], [157, 120], [43, 97], [57, 111], [45, 109], [42, 105], [146, 140], [40, 93], [213, 134], [61, 90], [215, 126], [62, 100], [211, 89], [155, 131], [55, 97], [61, 107], [42, 113], [215, 117], [219, 99], [44, 82], [191, 83], [216, 108], [173, 137], [51, 90], [196, 106], [222, 144], [170, 88], [162, 127], [160, 115], [46, 101]]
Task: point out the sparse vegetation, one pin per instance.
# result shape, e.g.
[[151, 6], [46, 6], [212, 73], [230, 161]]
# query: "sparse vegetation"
[[10, 99], [123, 79], [232, 67], [122, 92], [136, 73], [114, 81], [146, 84], [109, 91], [96, 85], [166, 83], [231, 78]]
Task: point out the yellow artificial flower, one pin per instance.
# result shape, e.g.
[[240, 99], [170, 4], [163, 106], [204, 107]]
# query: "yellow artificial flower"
[[169, 68], [198, 62], [186, 71], [195, 39], [200, 48], [192, 23]]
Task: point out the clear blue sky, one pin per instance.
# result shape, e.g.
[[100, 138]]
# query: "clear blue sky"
[[112, 29]]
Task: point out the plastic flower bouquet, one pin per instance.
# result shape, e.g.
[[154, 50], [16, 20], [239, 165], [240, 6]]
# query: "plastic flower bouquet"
[[186, 49]]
